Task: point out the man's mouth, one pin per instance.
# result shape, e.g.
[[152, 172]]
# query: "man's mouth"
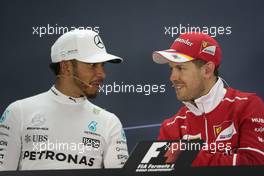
[[96, 83], [178, 87]]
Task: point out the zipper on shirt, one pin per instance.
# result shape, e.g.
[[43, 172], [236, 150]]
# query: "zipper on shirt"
[[205, 124], [206, 128]]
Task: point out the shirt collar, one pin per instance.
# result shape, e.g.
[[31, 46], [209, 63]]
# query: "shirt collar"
[[210, 101], [56, 94]]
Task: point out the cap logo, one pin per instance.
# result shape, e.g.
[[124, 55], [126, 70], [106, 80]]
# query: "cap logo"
[[98, 42], [68, 53], [186, 42], [208, 48]]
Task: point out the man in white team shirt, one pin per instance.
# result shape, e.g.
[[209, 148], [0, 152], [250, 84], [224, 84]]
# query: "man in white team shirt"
[[61, 128]]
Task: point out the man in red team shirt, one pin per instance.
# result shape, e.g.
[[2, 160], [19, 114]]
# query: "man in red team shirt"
[[230, 119]]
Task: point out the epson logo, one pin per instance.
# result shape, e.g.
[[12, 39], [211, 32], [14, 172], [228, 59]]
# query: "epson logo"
[[186, 42], [91, 142]]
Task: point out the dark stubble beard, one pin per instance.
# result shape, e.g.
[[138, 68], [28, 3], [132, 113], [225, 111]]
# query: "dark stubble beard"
[[200, 90], [82, 86], [83, 89]]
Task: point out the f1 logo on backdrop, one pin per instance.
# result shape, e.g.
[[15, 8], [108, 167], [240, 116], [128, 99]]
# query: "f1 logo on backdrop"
[[159, 157], [153, 152]]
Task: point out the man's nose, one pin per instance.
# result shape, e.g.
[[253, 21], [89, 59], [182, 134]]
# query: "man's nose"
[[100, 72], [174, 75]]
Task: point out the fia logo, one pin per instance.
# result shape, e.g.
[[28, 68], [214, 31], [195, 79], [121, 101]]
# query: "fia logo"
[[92, 126]]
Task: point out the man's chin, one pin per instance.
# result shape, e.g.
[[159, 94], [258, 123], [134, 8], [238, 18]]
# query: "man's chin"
[[91, 96], [91, 93], [181, 98]]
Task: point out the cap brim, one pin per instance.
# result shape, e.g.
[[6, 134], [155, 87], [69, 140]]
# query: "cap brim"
[[105, 57], [163, 57]]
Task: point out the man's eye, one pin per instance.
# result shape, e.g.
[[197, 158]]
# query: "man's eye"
[[179, 68], [95, 65]]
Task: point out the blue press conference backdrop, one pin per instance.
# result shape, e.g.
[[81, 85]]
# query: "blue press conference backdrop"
[[132, 30]]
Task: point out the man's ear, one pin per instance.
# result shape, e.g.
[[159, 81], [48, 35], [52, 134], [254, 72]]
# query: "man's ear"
[[65, 68], [208, 69]]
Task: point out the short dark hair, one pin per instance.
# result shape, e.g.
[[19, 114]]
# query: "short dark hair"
[[199, 63], [55, 68]]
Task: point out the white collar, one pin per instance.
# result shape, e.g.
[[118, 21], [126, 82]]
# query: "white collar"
[[210, 101], [59, 96]]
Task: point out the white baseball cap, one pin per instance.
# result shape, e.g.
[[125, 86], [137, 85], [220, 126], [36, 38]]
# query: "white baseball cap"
[[82, 45]]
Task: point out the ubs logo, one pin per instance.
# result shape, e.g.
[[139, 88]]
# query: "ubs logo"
[[36, 138]]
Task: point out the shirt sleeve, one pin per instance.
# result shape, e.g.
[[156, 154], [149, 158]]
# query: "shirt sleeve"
[[251, 141], [162, 133], [116, 152], [10, 137], [170, 129]]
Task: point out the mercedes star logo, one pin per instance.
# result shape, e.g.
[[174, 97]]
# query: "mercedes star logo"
[[98, 42]]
